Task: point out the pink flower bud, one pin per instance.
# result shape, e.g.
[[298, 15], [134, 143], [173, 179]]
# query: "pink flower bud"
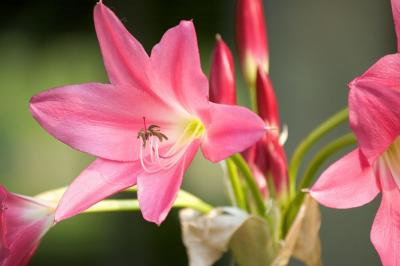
[[270, 158], [251, 38], [23, 222], [222, 74], [267, 104]]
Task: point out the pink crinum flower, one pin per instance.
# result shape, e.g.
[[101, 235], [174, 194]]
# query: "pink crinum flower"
[[146, 126], [355, 179], [23, 222]]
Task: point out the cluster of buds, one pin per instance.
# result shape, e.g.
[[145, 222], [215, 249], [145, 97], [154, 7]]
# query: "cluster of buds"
[[267, 157], [265, 160]]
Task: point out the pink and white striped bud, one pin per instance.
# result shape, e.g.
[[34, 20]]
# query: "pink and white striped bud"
[[222, 74], [267, 105], [251, 38], [23, 221]]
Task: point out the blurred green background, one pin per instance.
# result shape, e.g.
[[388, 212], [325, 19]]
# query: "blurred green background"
[[316, 48]]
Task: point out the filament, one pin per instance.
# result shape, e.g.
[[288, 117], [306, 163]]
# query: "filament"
[[151, 159]]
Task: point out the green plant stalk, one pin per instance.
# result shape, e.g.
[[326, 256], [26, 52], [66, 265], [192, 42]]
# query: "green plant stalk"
[[133, 205], [310, 172], [251, 183], [253, 98], [308, 142], [323, 155], [183, 200], [236, 184]]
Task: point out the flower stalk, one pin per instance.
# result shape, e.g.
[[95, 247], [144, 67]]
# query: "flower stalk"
[[309, 141], [251, 183], [327, 151], [184, 200], [236, 184], [311, 171]]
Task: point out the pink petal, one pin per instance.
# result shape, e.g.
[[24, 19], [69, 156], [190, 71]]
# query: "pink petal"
[[396, 18], [23, 222], [385, 233], [100, 180], [373, 103], [126, 61], [176, 69], [230, 129], [157, 191], [102, 120], [347, 183]]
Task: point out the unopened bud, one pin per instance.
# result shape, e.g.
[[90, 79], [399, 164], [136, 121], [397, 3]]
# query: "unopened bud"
[[222, 74], [251, 38]]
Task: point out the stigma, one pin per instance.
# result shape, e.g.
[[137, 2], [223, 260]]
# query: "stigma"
[[155, 156]]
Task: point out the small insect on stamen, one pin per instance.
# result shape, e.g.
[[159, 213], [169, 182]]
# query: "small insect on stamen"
[[153, 130]]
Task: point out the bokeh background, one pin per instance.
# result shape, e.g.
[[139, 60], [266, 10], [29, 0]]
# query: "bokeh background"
[[316, 48]]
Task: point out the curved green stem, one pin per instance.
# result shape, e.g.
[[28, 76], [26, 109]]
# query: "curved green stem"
[[251, 183], [183, 200], [323, 155], [133, 205], [253, 99], [309, 141], [235, 182], [114, 205], [311, 170]]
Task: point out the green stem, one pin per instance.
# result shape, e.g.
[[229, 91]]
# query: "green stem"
[[251, 183], [323, 155], [236, 184], [311, 171], [183, 200], [253, 99], [309, 141], [114, 205], [133, 205]]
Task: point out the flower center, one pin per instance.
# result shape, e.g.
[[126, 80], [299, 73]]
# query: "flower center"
[[152, 159], [390, 160]]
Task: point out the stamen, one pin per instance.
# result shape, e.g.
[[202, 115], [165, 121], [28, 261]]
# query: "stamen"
[[151, 159]]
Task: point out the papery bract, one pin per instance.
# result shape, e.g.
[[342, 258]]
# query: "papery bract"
[[147, 125], [222, 74], [374, 166], [251, 38], [23, 222]]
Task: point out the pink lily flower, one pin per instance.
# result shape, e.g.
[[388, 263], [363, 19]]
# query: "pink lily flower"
[[147, 125], [374, 166], [222, 74], [23, 221], [251, 38]]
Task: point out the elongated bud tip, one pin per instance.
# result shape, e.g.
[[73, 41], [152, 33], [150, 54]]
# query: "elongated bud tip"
[[251, 38], [222, 74], [267, 104]]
